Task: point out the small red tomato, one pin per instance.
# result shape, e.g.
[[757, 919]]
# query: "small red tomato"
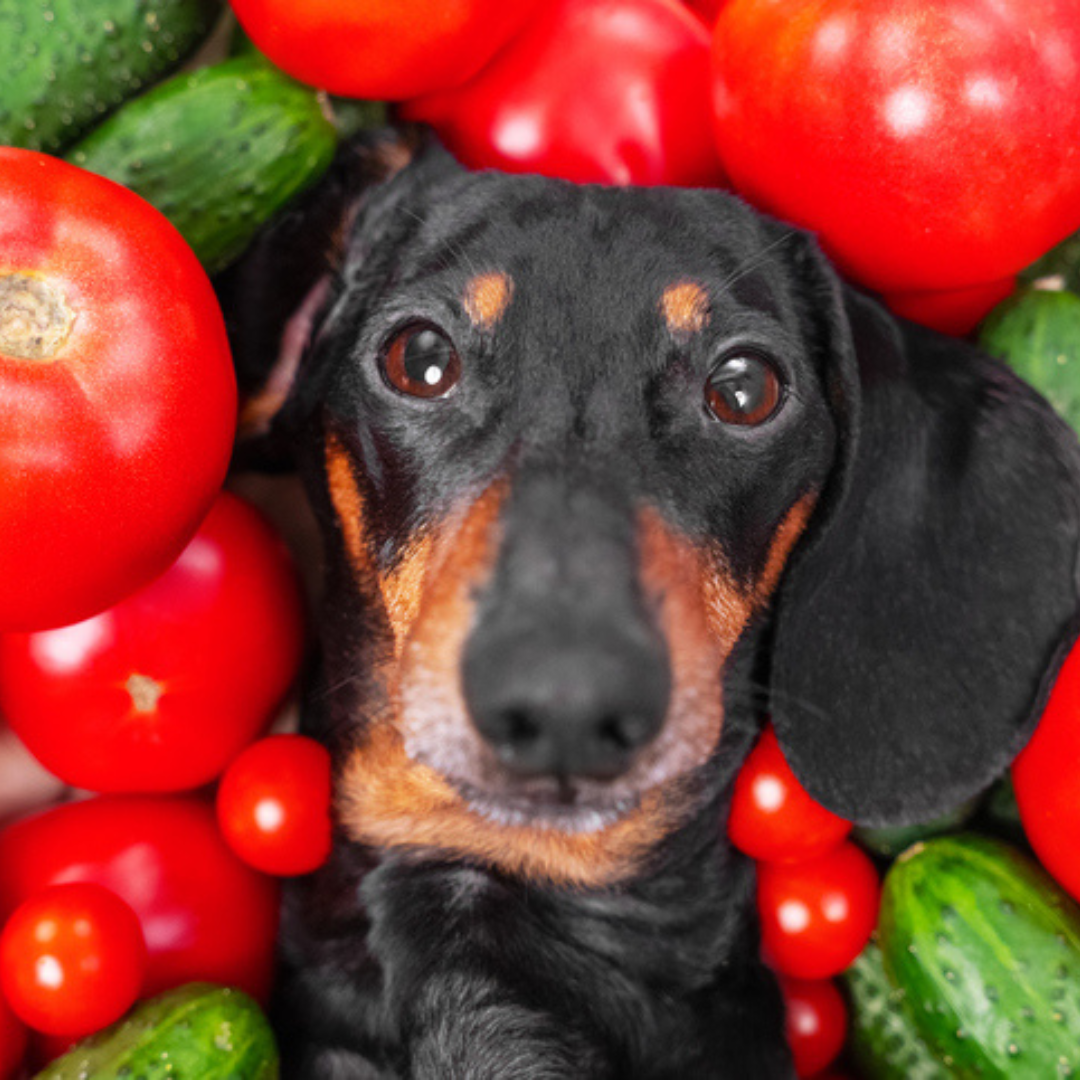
[[161, 691], [815, 1023], [817, 916], [72, 959], [204, 914], [773, 818], [273, 805], [117, 392], [372, 49], [606, 91], [1046, 777], [13, 1042]]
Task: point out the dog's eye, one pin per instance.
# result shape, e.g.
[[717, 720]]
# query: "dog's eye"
[[743, 389], [421, 361]]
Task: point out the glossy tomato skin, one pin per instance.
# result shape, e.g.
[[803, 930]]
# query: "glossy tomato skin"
[[72, 959], [372, 49], [930, 145], [273, 805], [605, 91], [773, 818], [815, 1023], [203, 913], [161, 691], [13, 1042], [114, 445], [817, 916], [1046, 778]]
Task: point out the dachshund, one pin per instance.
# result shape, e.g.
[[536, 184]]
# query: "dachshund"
[[605, 477]]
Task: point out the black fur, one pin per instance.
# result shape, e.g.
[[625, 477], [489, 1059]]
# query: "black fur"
[[905, 656]]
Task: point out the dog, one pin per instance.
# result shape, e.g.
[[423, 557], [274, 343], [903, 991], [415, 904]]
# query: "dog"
[[605, 477]]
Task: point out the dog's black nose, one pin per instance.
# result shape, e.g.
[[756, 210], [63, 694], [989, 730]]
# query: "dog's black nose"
[[566, 708]]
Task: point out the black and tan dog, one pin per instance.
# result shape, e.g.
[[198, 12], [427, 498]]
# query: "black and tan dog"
[[601, 474]]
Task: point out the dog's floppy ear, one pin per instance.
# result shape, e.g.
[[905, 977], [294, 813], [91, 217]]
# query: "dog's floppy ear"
[[921, 622], [274, 295]]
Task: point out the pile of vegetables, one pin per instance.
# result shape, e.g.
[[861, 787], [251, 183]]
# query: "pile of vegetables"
[[152, 623]]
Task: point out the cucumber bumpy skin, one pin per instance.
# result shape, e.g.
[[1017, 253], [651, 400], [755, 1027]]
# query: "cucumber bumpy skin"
[[884, 1040], [218, 152], [68, 63], [987, 949], [196, 1032]]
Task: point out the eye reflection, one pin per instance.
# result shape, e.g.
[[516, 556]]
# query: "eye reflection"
[[743, 389], [421, 361]]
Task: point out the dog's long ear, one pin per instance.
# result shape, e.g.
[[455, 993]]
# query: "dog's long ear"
[[920, 624], [274, 295]]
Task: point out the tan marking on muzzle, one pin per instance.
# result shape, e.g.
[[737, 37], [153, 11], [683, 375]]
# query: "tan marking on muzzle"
[[685, 306], [389, 801], [348, 503], [787, 533], [487, 297]]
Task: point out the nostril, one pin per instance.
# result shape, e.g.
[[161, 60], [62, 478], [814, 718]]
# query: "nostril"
[[522, 730]]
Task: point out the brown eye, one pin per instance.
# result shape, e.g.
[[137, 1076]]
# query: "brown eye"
[[743, 389], [421, 361]]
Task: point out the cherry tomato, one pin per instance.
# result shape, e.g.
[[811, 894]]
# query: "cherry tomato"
[[612, 91], [931, 145], [117, 393], [273, 805], [1046, 778], [13, 1042], [161, 691], [72, 959], [817, 916], [773, 818], [371, 49], [815, 1023], [204, 914]]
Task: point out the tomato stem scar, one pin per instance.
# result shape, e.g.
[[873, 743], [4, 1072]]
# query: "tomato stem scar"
[[145, 692], [35, 320]]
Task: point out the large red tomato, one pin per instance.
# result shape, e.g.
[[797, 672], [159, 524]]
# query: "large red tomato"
[[773, 817], [161, 691], [608, 91], [817, 916], [117, 393], [372, 49], [204, 914], [930, 145], [1046, 777]]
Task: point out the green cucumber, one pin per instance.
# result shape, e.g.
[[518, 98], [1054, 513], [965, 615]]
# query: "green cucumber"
[[987, 949], [1063, 261], [1038, 332], [67, 63], [218, 152], [890, 841], [883, 1039], [196, 1032]]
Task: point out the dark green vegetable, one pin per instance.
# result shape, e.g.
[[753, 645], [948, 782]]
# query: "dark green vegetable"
[[68, 63], [987, 950], [1038, 332], [884, 1040], [889, 842], [196, 1032], [218, 152]]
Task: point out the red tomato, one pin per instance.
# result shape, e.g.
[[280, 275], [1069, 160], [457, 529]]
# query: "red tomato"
[[815, 1022], [931, 145], [773, 818], [273, 805], [13, 1041], [204, 914], [612, 91], [952, 311], [72, 959], [372, 49], [161, 691], [117, 393], [706, 10], [817, 916], [1046, 777]]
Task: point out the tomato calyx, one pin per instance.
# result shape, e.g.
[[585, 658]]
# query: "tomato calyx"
[[35, 320]]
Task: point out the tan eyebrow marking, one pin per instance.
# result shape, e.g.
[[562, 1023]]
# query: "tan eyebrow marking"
[[686, 307], [487, 297]]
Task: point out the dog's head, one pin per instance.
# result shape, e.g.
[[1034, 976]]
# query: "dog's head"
[[573, 447]]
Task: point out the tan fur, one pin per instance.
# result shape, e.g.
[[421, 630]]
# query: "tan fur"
[[487, 296], [685, 306]]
